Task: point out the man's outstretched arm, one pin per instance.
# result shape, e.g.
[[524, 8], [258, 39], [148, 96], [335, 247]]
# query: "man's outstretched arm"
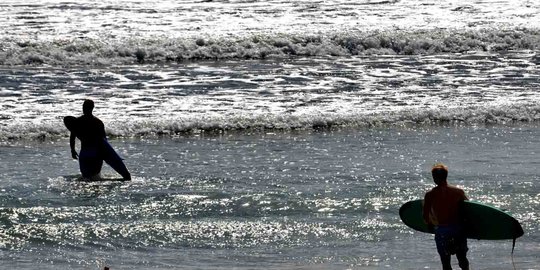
[[72, 146], [426, 212]]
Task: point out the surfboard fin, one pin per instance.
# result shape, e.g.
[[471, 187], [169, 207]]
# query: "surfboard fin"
[[518, 232]]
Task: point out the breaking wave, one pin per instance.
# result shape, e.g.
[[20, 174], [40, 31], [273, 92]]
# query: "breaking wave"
[[85, 51], [197, 124]]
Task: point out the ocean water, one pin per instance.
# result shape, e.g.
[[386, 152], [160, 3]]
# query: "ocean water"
[[265, 134]]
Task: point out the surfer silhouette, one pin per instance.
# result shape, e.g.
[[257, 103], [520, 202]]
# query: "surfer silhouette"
[[442, 212], [94, 145]]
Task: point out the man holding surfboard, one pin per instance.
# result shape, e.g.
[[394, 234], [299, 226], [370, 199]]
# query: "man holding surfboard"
[[94, 145], [442, 212], [446, 212]]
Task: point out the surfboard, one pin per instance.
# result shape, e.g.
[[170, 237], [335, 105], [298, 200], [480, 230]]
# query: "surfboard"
[[105, 152], [481, 221], [70, 123], [114, 160]]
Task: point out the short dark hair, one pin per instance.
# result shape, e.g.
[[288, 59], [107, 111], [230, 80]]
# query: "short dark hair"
[[88, 106], [439, 172]]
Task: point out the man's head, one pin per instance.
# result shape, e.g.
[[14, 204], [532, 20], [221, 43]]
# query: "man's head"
[[88, 107], [439, 172]]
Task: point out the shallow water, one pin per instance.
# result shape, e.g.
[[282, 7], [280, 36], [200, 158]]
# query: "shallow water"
[[324, 199]]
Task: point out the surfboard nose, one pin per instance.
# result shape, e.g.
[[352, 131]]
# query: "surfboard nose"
[[69, 122]]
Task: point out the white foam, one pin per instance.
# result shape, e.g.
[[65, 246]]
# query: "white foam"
[[309, 118], [331, 63], [262, 46], [123, 19]]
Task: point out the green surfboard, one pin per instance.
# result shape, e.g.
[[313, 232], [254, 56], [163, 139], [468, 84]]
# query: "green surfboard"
[[482, 222]]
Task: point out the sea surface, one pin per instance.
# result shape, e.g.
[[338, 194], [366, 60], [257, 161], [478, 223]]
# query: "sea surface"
[[265, 134]]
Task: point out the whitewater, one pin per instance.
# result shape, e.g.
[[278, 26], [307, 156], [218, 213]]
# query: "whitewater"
[[182, 66]]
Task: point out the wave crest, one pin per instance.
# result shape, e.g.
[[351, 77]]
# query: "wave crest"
[[259, 46], [286, 122]]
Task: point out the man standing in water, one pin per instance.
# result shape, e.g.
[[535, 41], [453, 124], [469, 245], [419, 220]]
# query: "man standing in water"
[[94, 146], [441, 211]]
